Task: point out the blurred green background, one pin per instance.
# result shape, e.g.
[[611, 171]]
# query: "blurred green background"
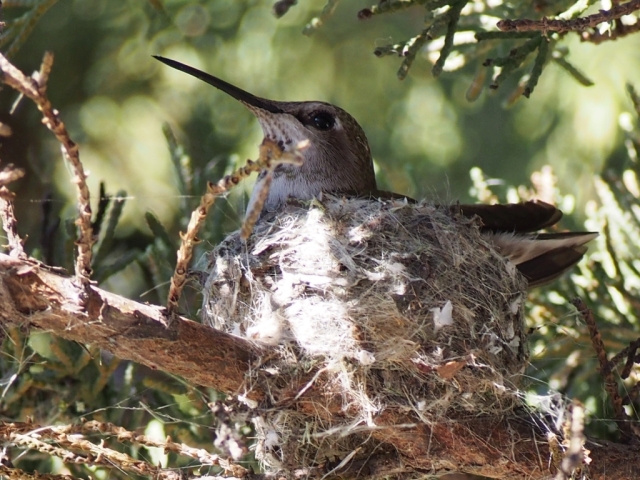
[[425, 137], [424, 134]]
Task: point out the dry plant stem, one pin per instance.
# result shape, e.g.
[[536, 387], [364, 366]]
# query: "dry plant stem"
[[573, 458], [68, 439], [576, 25], [632, 358], [91, 454], [7, 214], [11, 473], [9, 223], [618, 32], [10, 174], [270, 157], [189, 239], [628, 352], [609, 381], [252, 215], [124, 435], [36, 89], [32, 295], [61, 434]]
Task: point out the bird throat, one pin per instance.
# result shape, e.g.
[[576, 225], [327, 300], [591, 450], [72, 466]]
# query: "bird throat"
[[289, 182]]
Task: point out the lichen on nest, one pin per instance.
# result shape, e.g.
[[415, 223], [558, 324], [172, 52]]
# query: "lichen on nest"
[[398, 305]]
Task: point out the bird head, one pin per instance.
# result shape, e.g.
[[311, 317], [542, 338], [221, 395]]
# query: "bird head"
[[337, 158]]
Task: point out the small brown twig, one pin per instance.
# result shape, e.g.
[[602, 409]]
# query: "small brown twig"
[[10, 174], [124, 435], [7, 213], [75, 449], [72, 445], [610, 384], [620, 31], [575, 455], [632, 358], [632, 394], [573, 25], [12, 473], [35, 88], [629, 353], [270, 157]]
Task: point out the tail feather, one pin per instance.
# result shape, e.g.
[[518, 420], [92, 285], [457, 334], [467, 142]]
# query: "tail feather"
[[544, 257], [549, 266]]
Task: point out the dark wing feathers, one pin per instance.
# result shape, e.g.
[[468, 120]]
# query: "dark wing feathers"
[[523, 217], [549, 266], [540, 257]]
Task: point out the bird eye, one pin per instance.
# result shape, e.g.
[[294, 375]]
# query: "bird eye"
[[323, 120]]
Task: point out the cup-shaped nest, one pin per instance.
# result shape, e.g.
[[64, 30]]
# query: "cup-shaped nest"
[[395, 306]]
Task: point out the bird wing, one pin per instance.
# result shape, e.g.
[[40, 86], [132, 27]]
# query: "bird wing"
[[522, 217], [541, 257]]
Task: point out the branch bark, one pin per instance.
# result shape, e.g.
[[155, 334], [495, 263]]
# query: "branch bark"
[[579, 24], [33, 294]]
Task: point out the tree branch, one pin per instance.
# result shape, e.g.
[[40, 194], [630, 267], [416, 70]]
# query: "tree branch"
[[576, 24], [33, 294], [610, 384], [512, 448], [35, 88]]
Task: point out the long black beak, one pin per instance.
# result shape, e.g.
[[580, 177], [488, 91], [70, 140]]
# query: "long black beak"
[[231, 90]]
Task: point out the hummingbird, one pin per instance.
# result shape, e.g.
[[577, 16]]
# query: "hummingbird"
[[338, 160]]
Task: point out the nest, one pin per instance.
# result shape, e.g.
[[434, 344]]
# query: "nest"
[[390, 306]]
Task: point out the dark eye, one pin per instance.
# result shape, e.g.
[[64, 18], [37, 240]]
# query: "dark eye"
[[323, 120]]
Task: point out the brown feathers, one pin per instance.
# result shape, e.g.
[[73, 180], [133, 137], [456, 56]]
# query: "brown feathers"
[[541, 258]]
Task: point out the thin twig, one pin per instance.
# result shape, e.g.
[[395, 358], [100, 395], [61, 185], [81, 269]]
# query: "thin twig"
[[620, 31], [125, 435], [574, 25], [628, 352], [35, 89], [63, 433], [610, 384], [9, 224], [632, 358], [72, 446], [7, 213], [10, 174], [12, 473], [270, 157], [575, 456], [77, 450]]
